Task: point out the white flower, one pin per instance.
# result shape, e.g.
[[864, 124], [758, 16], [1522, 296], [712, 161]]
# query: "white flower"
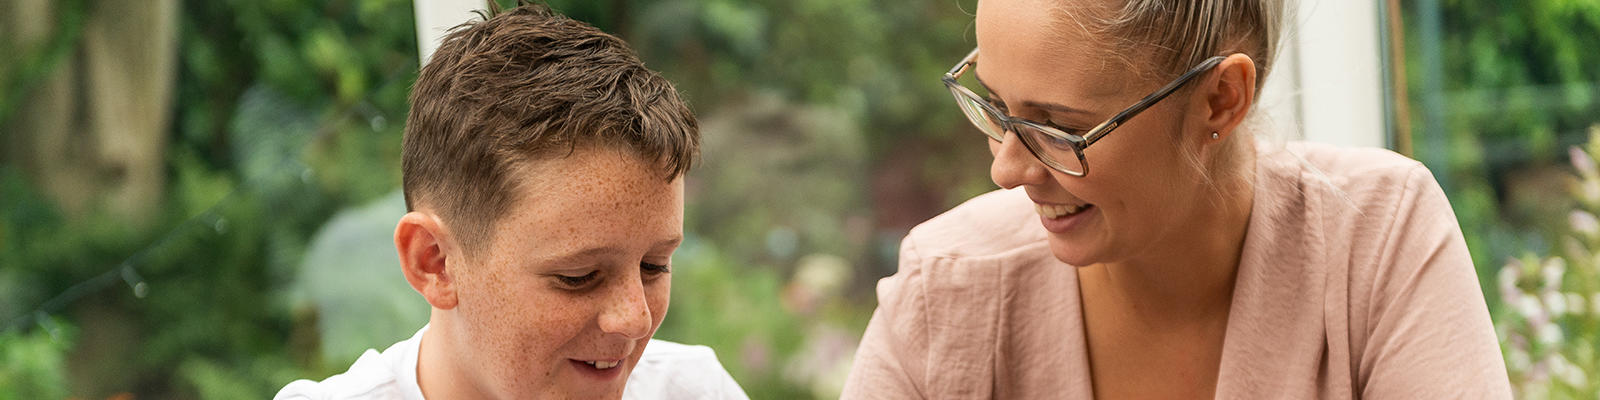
[[1581, 161], [1517, 359], [1562, 369], [1549, 334], [1583, 222], [1578, 304], [1556, 303], [1507, 279], [1553, 269], [1531, 310]]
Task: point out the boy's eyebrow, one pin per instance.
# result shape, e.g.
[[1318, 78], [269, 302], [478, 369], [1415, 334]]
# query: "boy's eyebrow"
[[672, 243], [1061, 108], [577, 258], [600, 252]]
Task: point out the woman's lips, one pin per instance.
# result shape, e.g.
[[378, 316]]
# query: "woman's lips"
[[1058, 210], [1060, 219]]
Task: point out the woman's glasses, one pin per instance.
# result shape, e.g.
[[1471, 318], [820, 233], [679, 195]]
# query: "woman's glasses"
[[1059, 150]]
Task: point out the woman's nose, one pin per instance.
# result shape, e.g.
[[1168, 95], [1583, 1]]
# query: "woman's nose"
[[1013, 164]]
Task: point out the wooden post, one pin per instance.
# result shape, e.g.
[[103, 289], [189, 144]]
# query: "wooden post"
[[1399, 99]]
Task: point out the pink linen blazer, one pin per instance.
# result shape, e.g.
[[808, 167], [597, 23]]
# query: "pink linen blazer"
[[1353, 283]]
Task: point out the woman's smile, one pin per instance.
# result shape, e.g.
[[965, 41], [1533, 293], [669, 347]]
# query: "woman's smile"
[[1064, 218]]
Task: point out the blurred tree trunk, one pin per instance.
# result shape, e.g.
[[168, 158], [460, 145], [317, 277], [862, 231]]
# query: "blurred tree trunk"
[[93, 132]]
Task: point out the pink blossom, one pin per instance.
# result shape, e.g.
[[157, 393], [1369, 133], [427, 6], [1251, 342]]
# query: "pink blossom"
[[1583, 222], [1582, 161]]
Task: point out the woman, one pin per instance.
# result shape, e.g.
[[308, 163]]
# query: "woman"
[[1158, 250]]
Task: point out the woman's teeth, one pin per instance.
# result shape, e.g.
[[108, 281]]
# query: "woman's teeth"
[[603, 364], [1056, 211]]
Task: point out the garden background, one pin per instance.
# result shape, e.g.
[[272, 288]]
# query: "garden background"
[[196, 196]]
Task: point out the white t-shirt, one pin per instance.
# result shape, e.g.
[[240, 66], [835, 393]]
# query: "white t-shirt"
[[667, 370]]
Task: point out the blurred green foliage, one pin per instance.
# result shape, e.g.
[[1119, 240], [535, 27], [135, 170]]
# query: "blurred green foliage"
[[286, 111], [1514, 84], [289, 111], [1510, 86], [32, 364]]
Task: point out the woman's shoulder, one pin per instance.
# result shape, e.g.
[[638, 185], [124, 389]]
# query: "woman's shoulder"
[[965, 250], [1350, 184], [1353, 169], [1401, 294], [939, 318], [1363, 207], [988, 225], [1350, 210]]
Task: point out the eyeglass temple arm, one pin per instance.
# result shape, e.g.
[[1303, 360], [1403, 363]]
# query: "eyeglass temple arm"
[[962, 66], [1115, 121]]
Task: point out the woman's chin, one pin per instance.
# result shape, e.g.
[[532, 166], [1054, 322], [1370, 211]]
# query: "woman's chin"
[[1074, 254]]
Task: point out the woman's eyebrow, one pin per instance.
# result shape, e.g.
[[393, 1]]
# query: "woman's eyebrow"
[[986, 87], [1057, 107]]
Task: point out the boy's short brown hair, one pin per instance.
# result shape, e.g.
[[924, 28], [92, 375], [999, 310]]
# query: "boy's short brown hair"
[[524, 85]]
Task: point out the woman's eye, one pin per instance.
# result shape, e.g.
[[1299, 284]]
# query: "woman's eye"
[[1051, 141], [1067, 130], [654, 269], [995, 101], [578, 281], [1058, 142]]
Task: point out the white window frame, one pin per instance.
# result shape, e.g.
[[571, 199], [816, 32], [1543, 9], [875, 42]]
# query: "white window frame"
[[435, 17], [1328, 85]]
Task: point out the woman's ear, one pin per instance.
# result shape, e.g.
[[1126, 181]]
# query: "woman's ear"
[[422, 242], [1227, 95]]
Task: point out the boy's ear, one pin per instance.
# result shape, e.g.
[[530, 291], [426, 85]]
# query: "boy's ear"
[[421, 240]]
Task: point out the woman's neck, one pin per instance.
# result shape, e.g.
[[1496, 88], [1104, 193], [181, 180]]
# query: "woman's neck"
[[1189, 276]]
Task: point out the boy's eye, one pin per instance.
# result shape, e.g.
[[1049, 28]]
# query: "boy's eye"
[[578, 281], [654, 269]]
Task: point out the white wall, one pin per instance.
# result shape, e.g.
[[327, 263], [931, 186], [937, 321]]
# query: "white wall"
[[435, 17], [1328, 83]]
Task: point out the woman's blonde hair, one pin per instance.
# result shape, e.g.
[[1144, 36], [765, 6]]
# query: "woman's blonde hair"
[[1182, 33], [1163, 38]]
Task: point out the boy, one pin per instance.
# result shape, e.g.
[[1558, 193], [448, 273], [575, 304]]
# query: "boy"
[[543, 172]]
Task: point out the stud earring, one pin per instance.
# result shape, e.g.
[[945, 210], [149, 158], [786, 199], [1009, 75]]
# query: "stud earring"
[[1215, 136]]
